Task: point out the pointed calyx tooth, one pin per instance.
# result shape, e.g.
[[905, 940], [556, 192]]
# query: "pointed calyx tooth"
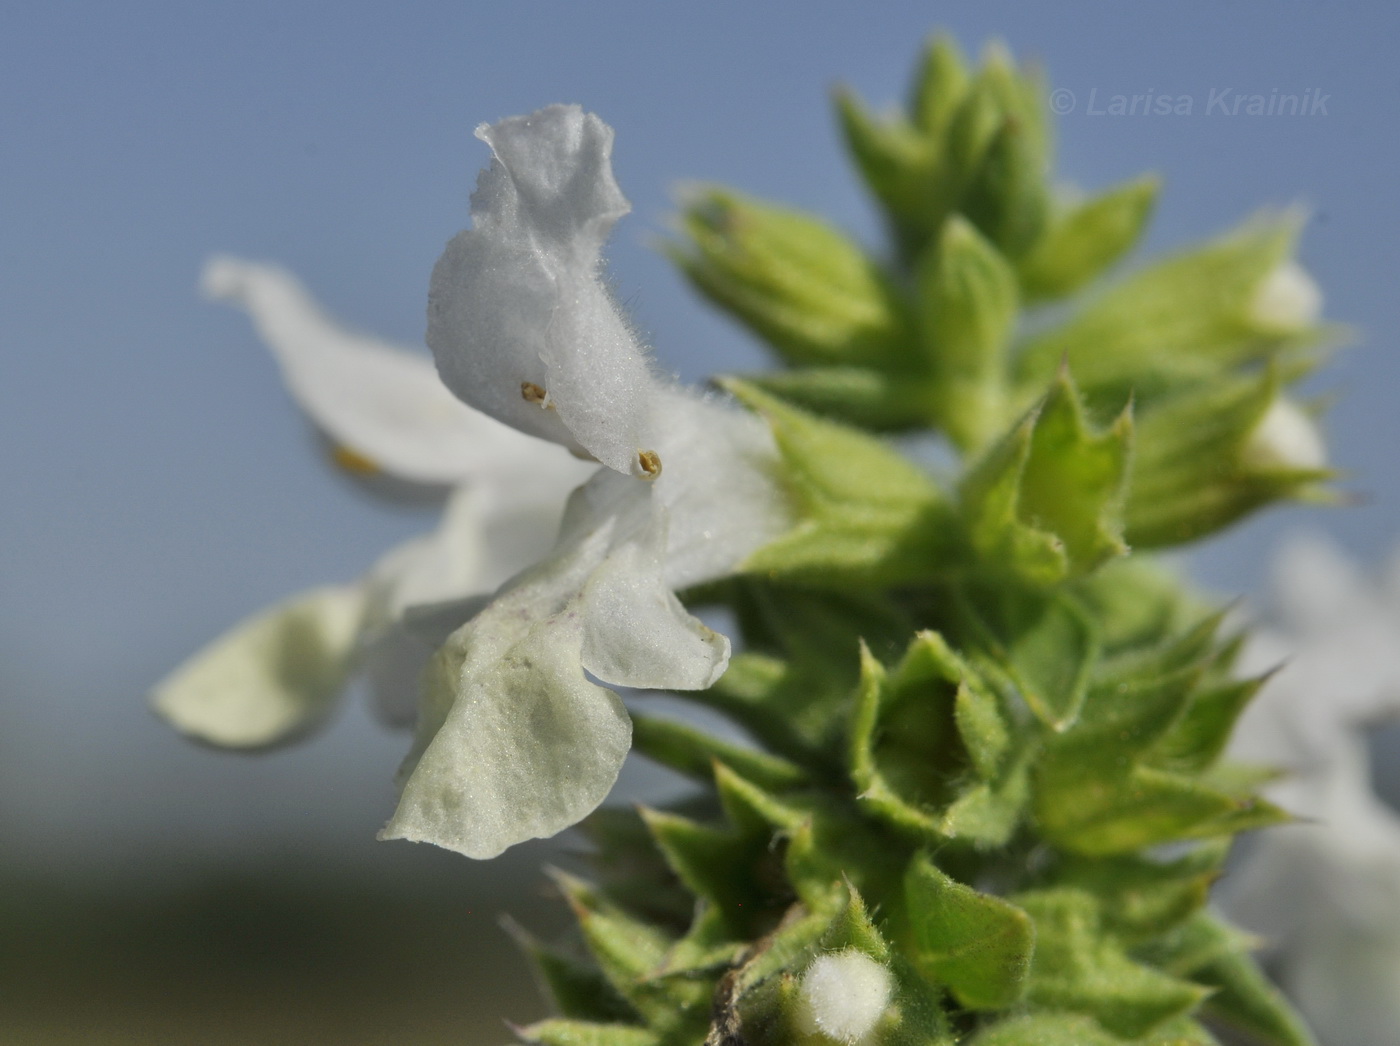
[[648, 464], [532, 393]]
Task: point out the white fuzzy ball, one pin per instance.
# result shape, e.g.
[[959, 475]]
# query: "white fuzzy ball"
[[843, 995]]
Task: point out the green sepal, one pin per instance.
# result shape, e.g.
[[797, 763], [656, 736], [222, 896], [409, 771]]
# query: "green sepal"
[[627, 950], [791, 688], [1080, 968], [917, 731], [1086, 812], [1067, 1029], [1075, 477], [625, 859], [1047, 500], [1137, 603], [899, 165], [1181, 322], [1196, 469], [987, 813], [971, 129], [983, 727], [868, 516], [834, 846], [1142, 898], [980, 946], [998, 92], [707, 947], [693, 752], [1008, 199], [967, 312], [1098, 790], [758, 689], [1136, 699], [905, 748], [1042, 645], [576, 989], [939, 84], [1087, 239], [584, 1033], [805, 288], [1045, 1029], [1179, 1031], [879, 401], [1197, 741], [734, 869], [1216, 955]]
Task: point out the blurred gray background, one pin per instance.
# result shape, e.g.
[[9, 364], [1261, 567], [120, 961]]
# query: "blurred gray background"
[[159, 485]]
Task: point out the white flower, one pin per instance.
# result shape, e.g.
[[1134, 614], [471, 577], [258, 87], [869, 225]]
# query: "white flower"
[[1326, 890], [843, 996], [515, 741], [277, 675]]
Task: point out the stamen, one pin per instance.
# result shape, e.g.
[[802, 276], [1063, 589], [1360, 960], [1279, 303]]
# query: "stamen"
[[650, 463], [533, 393], [353, 461]]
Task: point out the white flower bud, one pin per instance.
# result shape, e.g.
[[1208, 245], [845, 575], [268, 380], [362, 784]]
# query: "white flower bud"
[[843, 996], [1286, 437], [1286, 301]]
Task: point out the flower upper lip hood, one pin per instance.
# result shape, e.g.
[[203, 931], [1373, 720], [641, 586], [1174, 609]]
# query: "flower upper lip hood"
[[519, 321]]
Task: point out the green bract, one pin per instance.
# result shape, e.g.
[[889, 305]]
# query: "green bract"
[[985, 800]]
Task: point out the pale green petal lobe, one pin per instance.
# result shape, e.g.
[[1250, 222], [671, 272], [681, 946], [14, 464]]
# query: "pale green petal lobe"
[[526, 745], [271, 678]]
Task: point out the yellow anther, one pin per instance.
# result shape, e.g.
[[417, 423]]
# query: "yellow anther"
[[353, 461], [650, 463]]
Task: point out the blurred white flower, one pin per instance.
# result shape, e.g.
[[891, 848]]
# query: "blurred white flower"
[[277, 675], [1326, 891], [514, 741]]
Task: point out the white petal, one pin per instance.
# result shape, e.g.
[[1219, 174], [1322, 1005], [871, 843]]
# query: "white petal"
[[1286, 301], [518, 317], [514, 742], [384, 403], [721, 486], [487, 534], [636, 632], [272, 677], [1286, 437]]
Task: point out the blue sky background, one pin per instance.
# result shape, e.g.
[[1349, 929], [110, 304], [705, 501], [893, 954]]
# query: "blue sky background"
[[159, 485]]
